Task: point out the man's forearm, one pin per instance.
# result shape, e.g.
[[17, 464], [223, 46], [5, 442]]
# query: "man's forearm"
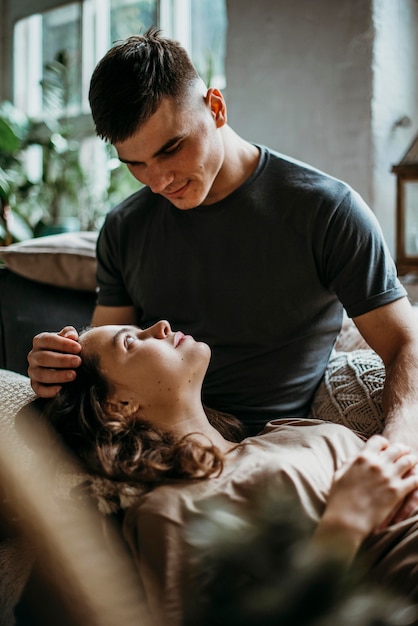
[[400, 394], [392, 332]]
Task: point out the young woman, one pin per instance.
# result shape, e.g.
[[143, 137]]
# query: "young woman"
[[134, 414]]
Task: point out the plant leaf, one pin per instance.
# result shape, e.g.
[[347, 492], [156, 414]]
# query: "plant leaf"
[[9, 141], [4, 185]]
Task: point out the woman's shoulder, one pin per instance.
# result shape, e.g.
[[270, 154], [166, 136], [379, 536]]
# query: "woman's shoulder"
[[167, 501], [299, 431]]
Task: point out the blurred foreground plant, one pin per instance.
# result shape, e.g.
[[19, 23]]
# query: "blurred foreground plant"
[[258, 568]]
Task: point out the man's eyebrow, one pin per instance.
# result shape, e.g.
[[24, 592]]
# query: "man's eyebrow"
[[169, 144]]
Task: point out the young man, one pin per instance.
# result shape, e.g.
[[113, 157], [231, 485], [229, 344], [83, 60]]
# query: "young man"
[[252, 252]]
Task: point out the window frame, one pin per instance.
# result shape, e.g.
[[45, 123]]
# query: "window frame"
[[174, 17]]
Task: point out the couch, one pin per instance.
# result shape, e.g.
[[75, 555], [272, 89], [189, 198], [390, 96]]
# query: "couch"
[[45, 284], [48, 283]]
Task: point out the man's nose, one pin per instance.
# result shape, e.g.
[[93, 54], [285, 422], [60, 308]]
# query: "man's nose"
[[158, 179]]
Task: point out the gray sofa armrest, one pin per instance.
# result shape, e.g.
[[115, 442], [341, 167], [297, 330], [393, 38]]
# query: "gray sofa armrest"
[[28, 307]]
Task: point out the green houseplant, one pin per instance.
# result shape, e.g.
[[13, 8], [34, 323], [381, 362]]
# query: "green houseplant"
[[60, 197], [14, 131], [37, 205]]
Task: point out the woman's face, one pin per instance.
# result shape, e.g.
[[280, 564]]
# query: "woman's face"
[[148, 368]]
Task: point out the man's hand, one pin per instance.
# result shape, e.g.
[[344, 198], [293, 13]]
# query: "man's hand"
[[52, 361], [397, 434], [54, 356]]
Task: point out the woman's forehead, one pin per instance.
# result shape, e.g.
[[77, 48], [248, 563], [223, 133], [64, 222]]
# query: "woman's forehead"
[[104, 334]]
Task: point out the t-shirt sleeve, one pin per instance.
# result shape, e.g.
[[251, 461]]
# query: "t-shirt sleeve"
[[111, 286], [354, 259]]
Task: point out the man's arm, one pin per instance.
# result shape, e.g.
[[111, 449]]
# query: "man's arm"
[[55, 356], [103, 315], [392, 332]]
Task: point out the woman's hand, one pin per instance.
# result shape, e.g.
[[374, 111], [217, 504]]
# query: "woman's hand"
[[366, 493]]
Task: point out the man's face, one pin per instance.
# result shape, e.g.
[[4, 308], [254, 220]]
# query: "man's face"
[[179, 152]]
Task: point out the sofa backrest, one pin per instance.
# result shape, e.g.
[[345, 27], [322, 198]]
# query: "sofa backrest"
[[28, 307]]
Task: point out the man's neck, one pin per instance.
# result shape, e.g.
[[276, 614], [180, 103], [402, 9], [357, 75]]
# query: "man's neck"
[[240, 161]]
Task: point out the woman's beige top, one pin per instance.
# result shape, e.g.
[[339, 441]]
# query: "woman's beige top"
[[298, 453]]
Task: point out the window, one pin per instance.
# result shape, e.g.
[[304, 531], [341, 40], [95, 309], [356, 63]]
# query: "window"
[[55, 52]]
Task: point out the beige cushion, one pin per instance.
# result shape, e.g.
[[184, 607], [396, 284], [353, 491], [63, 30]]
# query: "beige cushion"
[[15, 557], [351, 392], [16, 392], [65, 260]]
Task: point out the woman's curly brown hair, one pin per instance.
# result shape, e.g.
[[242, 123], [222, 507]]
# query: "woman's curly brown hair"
[[127, 448]]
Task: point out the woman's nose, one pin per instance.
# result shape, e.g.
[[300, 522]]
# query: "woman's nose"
[[161, 329]]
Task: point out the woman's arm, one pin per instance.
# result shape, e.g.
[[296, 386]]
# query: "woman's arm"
[[365, 494]]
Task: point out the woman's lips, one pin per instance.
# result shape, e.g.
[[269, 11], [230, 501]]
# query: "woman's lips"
[[178, 338]]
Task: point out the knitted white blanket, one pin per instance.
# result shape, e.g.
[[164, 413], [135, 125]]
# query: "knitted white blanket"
[[351, 392]]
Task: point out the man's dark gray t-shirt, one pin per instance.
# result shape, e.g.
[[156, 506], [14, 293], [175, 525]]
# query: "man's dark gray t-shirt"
[[261, 276]]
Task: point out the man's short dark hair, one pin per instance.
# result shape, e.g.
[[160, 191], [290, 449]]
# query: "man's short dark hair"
[[130, 81]]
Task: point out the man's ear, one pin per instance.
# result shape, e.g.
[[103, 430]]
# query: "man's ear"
[[215, 101]]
